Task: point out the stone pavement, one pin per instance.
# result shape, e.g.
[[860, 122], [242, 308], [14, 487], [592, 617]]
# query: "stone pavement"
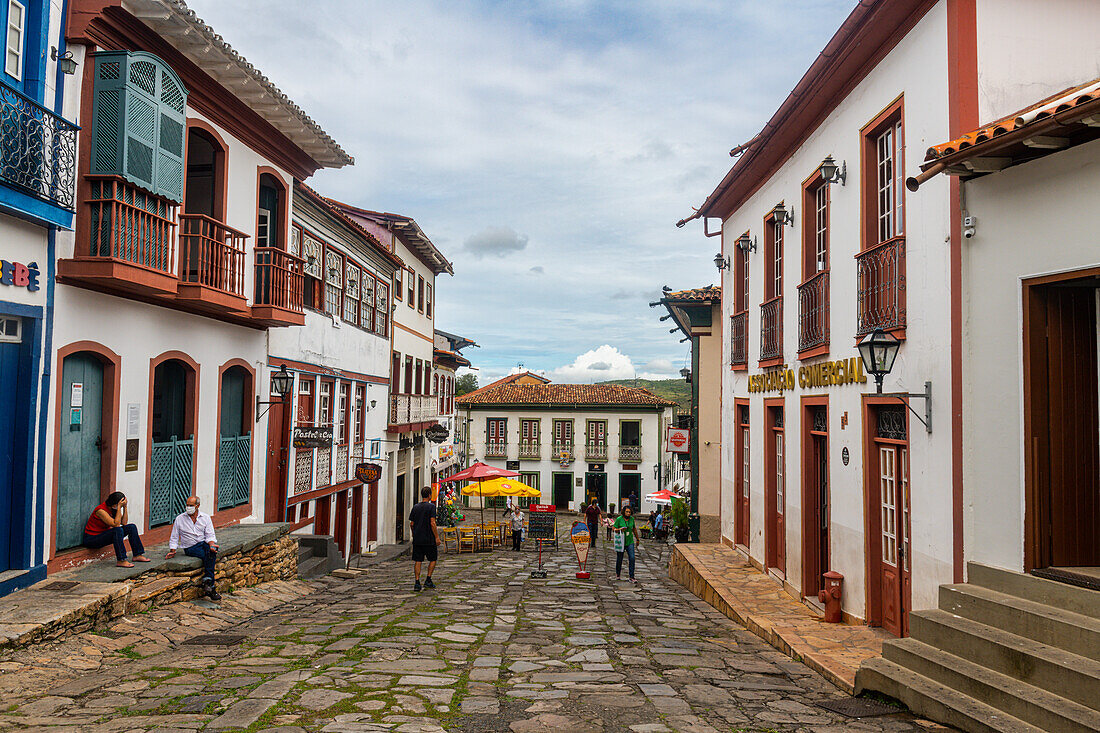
[[490, 649], [727, 581]]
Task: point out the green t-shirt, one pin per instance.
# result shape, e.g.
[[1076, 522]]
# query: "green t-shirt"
[[628, 525]]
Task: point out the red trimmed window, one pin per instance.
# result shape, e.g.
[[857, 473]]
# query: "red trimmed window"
[[359, 417], [813, 292], [382, 309], [428, 301], [420, 293], [411, 280], [408, 375], [740, 318], [343, 434], [305, 400], [397, 283], [395, 374], [771, 310], [324, 411]]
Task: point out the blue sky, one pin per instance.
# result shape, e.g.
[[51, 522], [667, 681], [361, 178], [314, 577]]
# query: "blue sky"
[[548, 148]]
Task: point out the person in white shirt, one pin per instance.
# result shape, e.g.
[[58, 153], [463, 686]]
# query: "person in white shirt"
[[194, 532], [516, 517]]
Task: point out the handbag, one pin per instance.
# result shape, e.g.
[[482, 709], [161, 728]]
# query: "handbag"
[[620, 540]]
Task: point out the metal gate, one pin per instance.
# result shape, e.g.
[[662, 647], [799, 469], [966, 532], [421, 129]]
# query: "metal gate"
[[170, 479], [234, 469]]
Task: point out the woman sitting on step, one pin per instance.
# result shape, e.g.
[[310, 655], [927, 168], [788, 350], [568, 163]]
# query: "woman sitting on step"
[[108, 525]]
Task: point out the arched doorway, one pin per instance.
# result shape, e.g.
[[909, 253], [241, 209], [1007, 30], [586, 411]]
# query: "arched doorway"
[[80, 459], [172, 428], [235, 438]]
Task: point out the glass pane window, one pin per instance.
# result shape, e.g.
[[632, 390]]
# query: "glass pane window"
[[366, 306], [821, 228], [887, 478], [357, 416], [778, 259], [13, 58], [779, 477], [889, 183], [342, 416], [324, 415], [381, 309], [352, 276], [334, 290]]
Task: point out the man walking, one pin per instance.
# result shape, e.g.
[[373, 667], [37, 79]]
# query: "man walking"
[[592, 514], [194, 532], [425, 537]]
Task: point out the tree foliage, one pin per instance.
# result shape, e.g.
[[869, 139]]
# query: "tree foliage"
[[465, 384]]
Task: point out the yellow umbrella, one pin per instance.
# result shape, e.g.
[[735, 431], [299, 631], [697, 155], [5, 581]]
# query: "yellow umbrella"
[[509, 487], [480, 489]]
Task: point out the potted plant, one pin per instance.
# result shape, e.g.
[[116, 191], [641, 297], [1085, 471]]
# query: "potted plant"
[[680, 519]]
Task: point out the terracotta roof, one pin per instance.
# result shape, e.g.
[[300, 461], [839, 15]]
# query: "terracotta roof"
[[454, 356], [507, 380], [408, 230], [1064, 100], [564, 394], [710, 292], [347, 221]]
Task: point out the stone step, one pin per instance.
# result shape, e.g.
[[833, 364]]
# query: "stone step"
[[1018, 699], [1063, 673], [1073, 632], [936, 701], [1049, 592], [313, 567]]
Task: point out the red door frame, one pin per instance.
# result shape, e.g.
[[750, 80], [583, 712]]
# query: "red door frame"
[[357, 519], [372, 512], [811, 511], [774, 530], [340, 530], [877, 604], [740, 490]]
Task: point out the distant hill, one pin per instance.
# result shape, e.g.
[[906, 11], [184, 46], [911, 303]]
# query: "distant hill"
[[676, 390]]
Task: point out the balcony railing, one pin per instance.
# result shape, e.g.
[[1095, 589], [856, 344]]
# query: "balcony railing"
[[529, 450], [496, 449], [406, 409], [739, 338], [880, 282], [211, 254], [131, 225], [630, 454], [37, 150], [278, 279], [771, 329], [562, 448], [595, 451], [813, 312]]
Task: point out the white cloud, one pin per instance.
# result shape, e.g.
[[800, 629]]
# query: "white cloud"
[[597, 365], [495, 242], [660, 366]]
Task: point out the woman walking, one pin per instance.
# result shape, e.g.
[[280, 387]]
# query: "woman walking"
[[625, 523]]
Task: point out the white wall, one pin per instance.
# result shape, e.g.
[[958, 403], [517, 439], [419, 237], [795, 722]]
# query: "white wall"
[[916, 68], [1034, 219]]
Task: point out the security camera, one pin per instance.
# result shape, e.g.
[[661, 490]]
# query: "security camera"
[[970, 224], [968, 233]]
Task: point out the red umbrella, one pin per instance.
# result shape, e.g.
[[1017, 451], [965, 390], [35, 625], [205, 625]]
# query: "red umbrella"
[[478, 472]]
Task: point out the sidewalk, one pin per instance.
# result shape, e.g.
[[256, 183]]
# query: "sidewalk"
[[727, 581]]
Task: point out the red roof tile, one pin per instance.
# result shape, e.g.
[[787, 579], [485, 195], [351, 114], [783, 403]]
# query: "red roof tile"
[[563, 394], [710, 292]]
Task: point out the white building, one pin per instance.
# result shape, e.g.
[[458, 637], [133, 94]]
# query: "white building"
[[820, 472], [413, 409], [448, 359], [341, 360], [177, 268], [571, 441]]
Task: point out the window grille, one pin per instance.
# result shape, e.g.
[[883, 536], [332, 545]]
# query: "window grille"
[[777, 418], [744, 414], [820, 419], [891, 423], [366, 305], [334, 268], [351, 294]]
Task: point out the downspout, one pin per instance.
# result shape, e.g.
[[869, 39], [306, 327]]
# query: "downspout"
[[693, 517]]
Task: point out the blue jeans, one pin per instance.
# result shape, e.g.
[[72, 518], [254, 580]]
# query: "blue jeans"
[[116, 535], [619, 561], [207, 554]]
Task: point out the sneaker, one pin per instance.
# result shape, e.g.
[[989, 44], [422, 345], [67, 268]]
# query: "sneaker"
[[632, 580], [428, 582], [417, 586], [618, 577], [213, 594]]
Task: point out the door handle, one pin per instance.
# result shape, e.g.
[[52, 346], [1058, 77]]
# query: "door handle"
[[99, 443]]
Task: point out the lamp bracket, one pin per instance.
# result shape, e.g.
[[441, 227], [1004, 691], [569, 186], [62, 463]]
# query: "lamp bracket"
[[269, 403], [926, 395]]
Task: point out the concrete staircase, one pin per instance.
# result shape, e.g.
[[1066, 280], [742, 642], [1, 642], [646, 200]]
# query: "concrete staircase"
[[1004, 652], [317, 555]]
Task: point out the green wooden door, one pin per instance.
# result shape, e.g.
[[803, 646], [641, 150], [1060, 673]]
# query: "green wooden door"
[[234, 444], [78, 481]]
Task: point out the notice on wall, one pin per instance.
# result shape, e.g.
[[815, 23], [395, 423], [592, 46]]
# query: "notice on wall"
[[131, 454], [76, 396], [133, 420]]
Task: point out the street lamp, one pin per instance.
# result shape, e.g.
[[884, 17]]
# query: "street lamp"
[[686, 374], [282, 382], [833, 173], [722, 263], [878, 350], [745, 243], [782, 216]]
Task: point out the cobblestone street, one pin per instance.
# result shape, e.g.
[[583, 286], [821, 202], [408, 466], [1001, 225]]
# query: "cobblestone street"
[[490, 649]]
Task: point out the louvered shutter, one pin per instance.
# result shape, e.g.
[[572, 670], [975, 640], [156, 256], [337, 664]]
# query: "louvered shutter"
[[139, 109]]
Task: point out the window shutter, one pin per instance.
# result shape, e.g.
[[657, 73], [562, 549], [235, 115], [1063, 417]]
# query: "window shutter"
[[139, 108]]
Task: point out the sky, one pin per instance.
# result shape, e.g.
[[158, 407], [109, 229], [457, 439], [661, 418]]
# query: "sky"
[[547, 148]]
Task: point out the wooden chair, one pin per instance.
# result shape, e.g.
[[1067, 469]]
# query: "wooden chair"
[[467, 539], [448, 535]]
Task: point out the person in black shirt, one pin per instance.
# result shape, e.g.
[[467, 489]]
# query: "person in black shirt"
[[425, 537]]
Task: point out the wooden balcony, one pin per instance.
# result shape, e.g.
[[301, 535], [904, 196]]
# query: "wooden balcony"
[[128, 244], [212, 261], [739, 339], [880, 284], [813, 312], [563, 450], [595, 452], [771, 329], [630, 454], [277, 300], [529, 451], [496, 449], [411, 409]]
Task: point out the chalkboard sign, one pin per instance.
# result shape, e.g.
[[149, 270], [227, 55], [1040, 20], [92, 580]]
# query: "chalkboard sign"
[[541, 525]]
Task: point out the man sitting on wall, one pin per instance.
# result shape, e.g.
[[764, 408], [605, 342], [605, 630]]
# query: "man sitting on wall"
[[194, 531], [108, 524]]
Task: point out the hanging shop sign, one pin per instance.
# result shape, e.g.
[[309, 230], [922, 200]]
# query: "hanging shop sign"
[[319, 437], [368, 473], [446, 452], [823, 374], [19, 275], [437, 433], [678, 440]]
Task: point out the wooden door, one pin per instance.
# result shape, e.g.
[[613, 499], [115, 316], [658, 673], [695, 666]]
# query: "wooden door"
[[775, 491], [357, 520], [741, 508], [400, 515], [893, 498], [372, 512], [79, 487], [563, 490], [821, 485], [322, 519], [780, 530], [340, 531]]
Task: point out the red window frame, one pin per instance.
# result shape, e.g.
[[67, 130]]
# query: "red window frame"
[[343, 408], [306, 399], [420, 293], [395, 372], [891, 119], [773, 258], [360, 414], [408, 376], [428, 300], [321, 394], [741, 278], [411, 279], [398, 283]]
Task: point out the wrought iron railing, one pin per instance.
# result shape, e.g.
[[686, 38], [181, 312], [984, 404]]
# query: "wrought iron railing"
[[630, 453], [880, 283], [279, 279], [496, 449], [561, 449], [529, 450], [37, 150], [595, 451], [211, 253], [771, 329], [131, 225], [234, 470], [739, 338], [813, 312], [411, 408]]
